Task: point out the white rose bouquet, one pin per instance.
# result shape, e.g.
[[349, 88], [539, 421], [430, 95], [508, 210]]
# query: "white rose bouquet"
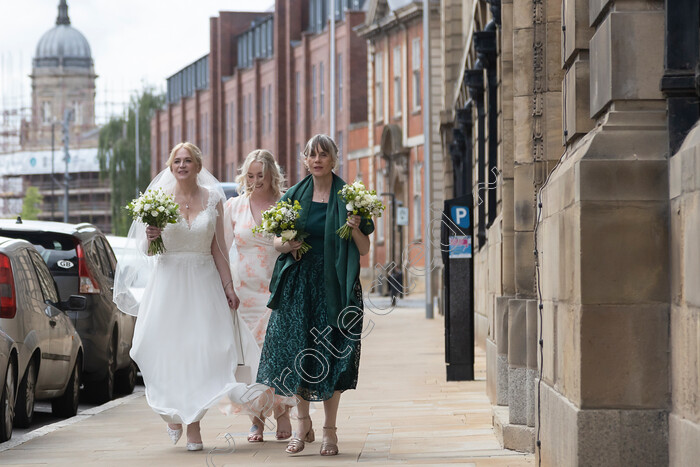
[[361, 202], [156, 209], [281, 220]]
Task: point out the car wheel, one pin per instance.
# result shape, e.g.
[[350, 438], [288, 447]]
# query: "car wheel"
[[125, 379], [103, 390], [67, 404], [24, 407], [7, 404]]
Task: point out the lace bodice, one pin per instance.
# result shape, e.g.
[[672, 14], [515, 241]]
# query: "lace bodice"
[[197, 237]]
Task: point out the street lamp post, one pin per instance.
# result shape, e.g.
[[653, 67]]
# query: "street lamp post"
[[137, 149], [427, 141], [67, 117], [53, 175]]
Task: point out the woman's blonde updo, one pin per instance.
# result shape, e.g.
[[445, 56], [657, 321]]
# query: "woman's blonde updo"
[[194, 151]]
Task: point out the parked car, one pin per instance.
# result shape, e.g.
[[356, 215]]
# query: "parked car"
[[8, 373], [230, 189], [41, 343], [82, 262]]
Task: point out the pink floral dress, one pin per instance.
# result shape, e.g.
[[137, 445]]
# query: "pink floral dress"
[[252, 257]]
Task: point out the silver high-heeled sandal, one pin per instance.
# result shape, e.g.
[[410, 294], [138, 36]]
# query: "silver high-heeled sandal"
[[329, 448], [297, 444], [174, 434], [195, 446]]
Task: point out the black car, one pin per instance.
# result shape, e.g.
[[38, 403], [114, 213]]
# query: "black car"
[[39, 346], [82, 263]]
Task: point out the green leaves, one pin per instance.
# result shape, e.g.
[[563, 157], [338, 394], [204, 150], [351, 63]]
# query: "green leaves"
[[117, 154]]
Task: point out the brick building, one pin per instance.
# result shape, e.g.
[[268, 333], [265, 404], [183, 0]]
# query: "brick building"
[[393, 155], [265, 83]]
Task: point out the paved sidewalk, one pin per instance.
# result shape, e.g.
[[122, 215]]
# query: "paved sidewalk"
[[403, 412]]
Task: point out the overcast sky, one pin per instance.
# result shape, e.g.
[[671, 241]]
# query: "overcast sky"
[[132, 41]]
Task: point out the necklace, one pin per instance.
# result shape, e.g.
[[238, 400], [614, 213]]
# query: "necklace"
[[187, 203], [322, 196]]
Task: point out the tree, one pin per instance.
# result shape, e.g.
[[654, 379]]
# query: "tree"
[[117, 154], [31, 202]]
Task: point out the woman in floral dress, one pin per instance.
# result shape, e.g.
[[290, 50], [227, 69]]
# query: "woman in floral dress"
[[253, 257]]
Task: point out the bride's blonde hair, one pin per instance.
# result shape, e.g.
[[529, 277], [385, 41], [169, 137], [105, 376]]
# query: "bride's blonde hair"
[[194, 151], [270, 166]]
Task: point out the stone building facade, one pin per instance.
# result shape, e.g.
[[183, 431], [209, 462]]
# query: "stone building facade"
[[586, 251]]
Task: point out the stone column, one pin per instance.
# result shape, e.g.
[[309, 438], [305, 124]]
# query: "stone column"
[[603, 244]]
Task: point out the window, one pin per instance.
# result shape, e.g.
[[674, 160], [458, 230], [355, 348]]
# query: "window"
[[298, 159], [341, 156], [322, 87], [262, 105], [231, 123], [415, 67], [417, 204], [378, 87], [190, 130], [227, 123], [245, 118], [46, 282], [250, 116], [269, 108], [397, 81], [46, 114], [297, 86], [339, 69], [313, 91], [380, 221], [78, 109], [164, 145]]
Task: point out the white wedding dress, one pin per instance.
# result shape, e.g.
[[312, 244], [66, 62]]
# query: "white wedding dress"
[[184, 341]]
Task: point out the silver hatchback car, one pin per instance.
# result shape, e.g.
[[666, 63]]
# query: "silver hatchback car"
[[48, 354]]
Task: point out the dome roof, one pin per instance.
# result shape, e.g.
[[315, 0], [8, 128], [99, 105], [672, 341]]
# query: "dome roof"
[[63, 44]]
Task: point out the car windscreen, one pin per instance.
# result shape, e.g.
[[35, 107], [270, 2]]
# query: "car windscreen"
[[57, 250]]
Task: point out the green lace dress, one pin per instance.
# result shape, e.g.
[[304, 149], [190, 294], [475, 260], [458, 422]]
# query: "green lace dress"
[[302, 353]]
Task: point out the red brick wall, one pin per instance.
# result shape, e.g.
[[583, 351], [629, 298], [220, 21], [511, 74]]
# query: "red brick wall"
[[278, 74]]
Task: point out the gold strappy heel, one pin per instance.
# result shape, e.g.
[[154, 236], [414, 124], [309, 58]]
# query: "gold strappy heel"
[[328, 448], [297, 444]]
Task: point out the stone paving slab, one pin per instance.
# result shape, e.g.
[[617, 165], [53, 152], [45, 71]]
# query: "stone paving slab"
[[403, 412]]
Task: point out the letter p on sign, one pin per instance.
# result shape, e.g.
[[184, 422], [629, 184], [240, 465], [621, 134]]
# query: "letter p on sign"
[[460, 216]]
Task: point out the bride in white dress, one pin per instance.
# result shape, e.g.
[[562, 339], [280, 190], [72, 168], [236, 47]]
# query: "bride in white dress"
[[184, 341]]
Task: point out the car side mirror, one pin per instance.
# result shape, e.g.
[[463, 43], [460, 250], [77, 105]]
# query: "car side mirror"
[[75, 303]]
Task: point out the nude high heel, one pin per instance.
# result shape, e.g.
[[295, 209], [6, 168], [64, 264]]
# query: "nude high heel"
[[329, 448], [297, 444]]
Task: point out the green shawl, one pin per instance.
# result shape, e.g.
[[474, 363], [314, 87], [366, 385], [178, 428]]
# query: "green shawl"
[[341, 259]]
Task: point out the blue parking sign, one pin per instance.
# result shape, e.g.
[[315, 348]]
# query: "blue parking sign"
[[460, 216]]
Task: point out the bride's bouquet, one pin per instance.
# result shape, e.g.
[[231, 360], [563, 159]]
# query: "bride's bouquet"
[[156, 209], [361, 202], [281, 220]]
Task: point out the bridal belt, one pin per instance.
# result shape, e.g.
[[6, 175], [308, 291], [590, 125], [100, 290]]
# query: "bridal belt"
[[186, 255]]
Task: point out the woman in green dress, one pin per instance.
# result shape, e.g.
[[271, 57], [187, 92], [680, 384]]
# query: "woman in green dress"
[[312, 343]]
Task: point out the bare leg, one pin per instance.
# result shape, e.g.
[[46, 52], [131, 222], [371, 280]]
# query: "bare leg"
[[329, 446], [305, 432], [193, 433], [304, 421], [284, 425], [256, 431]]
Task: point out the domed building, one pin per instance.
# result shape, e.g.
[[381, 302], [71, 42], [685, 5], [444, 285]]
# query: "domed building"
[[63, 77]]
